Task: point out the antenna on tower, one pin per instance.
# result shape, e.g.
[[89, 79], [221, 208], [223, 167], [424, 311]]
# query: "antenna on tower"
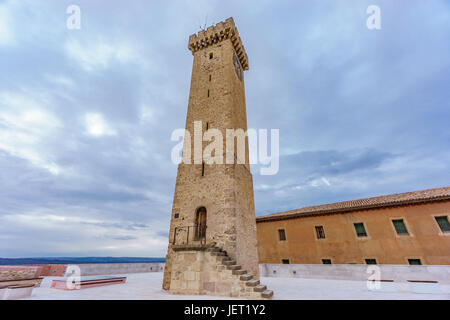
[[204, 27]]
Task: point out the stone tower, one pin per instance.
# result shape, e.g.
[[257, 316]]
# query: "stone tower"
[[212, 238]]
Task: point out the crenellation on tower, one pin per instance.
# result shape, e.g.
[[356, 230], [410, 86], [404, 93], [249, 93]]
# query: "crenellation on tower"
[[215, 34]]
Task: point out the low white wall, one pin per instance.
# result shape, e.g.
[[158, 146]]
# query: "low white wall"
[[95, 269], [398, 273]]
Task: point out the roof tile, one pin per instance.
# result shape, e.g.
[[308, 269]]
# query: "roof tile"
[[429, 195]]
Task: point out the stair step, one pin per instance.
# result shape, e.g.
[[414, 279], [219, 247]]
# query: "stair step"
[[260, 288], [217, 253], [239, 272], [252, 283], [234, 267], [246, 277], [226, 258], [229, 262], [268, 294]]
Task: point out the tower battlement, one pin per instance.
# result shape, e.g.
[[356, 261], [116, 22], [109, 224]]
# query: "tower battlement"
[[214, 34]]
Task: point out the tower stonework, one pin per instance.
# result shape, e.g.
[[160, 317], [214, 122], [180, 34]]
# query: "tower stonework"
[[212, 239]]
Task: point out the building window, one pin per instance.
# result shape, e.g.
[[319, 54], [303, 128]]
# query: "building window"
[[208, 93], [360, 230], [211, 55], [415, 262], [282, 234], [443, 223], [203, 169], [400, 227], [285, 261], [177, 215], [320, 232], [326, 261], [209, 78], [371, 261]]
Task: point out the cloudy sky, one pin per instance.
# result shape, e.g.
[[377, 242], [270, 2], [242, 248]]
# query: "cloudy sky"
[[86, 115]]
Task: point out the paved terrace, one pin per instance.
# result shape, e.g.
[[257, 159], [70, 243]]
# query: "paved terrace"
[[147, 286]]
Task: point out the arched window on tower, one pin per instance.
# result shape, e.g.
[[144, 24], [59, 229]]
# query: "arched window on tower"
[[200, 224]]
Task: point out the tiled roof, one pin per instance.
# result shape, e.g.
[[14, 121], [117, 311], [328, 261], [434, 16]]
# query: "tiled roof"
[[430, 195]]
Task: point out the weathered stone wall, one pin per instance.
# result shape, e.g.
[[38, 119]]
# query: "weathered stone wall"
[[196, 272], [217, 98], [19, 272]]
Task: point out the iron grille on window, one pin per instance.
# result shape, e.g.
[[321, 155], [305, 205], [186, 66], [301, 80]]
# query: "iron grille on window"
[[320, 232]]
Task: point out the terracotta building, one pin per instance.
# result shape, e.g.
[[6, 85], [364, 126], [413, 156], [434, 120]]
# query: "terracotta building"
[[405, 228]]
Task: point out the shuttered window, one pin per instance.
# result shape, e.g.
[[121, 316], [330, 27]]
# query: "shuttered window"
[[400, 226], [443, 223], [360, 229]]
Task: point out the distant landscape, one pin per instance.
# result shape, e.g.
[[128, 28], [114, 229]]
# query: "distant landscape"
[[81, 260]]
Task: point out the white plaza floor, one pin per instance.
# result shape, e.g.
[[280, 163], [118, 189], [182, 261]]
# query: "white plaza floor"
[[147, 286]]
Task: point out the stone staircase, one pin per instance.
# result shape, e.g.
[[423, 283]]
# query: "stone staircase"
[[250, 288]]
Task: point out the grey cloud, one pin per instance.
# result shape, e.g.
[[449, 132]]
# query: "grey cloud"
[[360, 113]]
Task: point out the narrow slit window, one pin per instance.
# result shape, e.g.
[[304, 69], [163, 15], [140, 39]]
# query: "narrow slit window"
[[208, 93], [203, 169], [211, 55], [207, 125], [209, 78], [282, 235]]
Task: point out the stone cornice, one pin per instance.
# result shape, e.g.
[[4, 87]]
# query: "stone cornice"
[[218, 33]]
